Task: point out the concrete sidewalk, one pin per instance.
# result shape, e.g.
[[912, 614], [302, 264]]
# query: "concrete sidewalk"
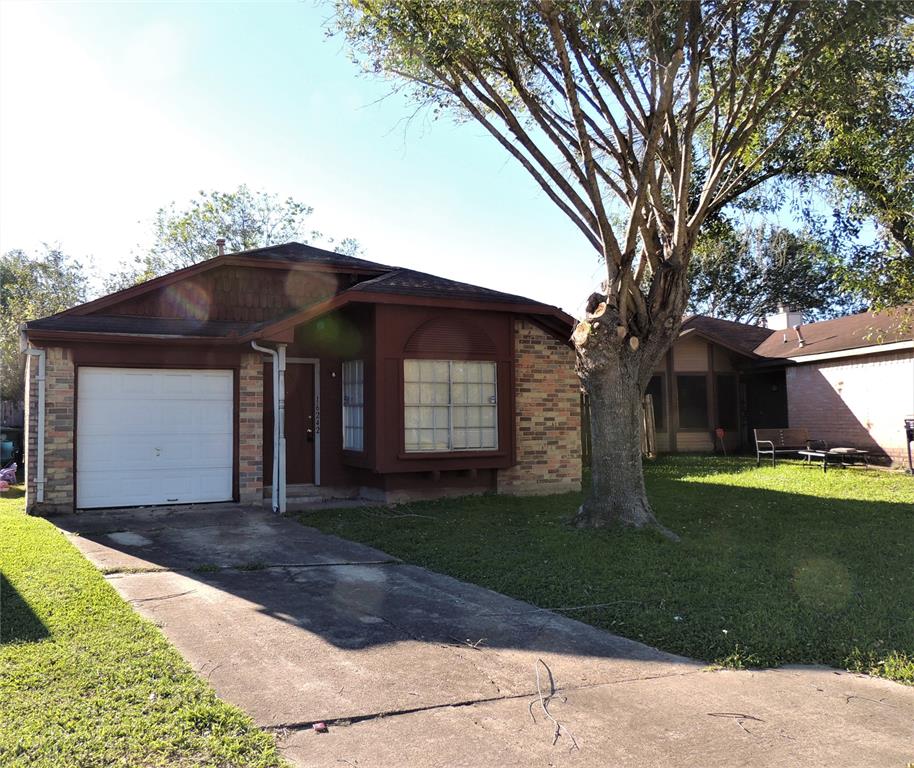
[[413, 668]]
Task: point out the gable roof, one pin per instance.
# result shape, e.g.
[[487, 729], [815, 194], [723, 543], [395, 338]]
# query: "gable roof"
[[866, 329], [374, 283], [409, 282], [738, 337], [299, 253]]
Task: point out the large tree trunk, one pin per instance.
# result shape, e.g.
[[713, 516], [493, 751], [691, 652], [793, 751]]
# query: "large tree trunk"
[[617, 493], [615, 368]]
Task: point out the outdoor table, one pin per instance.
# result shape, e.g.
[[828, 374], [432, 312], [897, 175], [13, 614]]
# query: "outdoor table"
[[844, 456]]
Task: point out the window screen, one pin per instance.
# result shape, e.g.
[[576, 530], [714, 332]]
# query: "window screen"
[[353, 405], [449, 405], [727, 401], [693, 401]]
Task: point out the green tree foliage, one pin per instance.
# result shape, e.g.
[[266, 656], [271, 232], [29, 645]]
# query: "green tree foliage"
[[186, 235], [857, 147], [743, 274], [656, 114], [32, 286]]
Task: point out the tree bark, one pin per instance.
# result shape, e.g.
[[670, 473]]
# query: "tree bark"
[[615, 368]]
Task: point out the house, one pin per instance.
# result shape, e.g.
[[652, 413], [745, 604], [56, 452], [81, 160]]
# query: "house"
[[849, 381], [293, 372]]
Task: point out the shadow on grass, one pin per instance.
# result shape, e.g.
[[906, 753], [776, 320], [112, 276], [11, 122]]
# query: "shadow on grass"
[[18, 623]]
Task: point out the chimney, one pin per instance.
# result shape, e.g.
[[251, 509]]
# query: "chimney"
[[784, 318], [220, 244]]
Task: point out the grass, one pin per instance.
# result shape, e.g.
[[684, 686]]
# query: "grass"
[[84, 681], [775, 566]]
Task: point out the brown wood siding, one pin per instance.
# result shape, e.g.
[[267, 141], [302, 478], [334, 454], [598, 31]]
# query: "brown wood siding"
[[232, 293], [474, 336]]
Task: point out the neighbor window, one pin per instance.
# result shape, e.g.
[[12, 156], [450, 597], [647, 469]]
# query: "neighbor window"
[[449, 405], [353, 405], [655, 390], [693, 401], [727, 401]]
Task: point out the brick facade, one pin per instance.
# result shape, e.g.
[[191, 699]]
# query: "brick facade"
[[250, 429], [59, 425], [859, 402], [548, 416]]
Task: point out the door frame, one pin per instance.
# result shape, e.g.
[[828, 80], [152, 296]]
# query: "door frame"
[[317, 409]]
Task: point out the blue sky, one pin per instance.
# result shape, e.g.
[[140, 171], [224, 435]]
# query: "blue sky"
[[108, 112]]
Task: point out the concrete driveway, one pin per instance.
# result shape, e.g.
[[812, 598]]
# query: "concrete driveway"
[[412, 668]]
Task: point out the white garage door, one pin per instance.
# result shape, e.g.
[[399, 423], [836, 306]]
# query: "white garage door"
[[153, 436]]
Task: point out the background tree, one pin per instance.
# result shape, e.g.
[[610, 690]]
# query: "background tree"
[[32, 286], [856, 148], [660, 112], [246, 219], [743, 274]]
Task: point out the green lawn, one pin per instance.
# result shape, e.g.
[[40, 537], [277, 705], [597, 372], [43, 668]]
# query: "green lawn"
[[84, 681], [775, 566]]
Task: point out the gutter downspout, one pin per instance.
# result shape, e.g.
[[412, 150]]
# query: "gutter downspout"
[[279, 418], [40, 428], [275, 482]]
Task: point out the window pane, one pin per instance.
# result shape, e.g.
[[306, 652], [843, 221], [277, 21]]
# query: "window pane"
[[353, 405], [727, 401], [449, 405], [693, 401]]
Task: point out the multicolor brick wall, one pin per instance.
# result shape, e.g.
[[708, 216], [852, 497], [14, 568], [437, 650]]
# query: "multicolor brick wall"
[[858, 402], [250, 432], [59, 425], [548, 415]]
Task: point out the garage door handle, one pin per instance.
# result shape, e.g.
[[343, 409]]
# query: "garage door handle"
[[158, 451]]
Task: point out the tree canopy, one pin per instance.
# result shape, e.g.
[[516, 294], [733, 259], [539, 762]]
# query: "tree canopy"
[[745, 273], [31, 286], [246, 219]]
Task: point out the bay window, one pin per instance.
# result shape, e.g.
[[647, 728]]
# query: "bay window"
[[449, 405]]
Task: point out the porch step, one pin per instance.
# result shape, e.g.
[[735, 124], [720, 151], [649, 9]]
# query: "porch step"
[[309, 492]]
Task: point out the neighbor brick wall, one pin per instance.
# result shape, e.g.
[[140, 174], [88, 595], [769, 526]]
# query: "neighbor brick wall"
[[59, 424], [548, 415], [857, 402], [250, 430]]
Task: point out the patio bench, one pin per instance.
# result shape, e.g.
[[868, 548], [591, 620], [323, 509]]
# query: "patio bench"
[[775, 442]]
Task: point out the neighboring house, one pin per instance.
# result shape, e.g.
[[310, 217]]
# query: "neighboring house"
[[849, 381], [396, 384]]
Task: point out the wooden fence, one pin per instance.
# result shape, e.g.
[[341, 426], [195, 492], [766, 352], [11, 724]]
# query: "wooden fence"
[[12, 413]]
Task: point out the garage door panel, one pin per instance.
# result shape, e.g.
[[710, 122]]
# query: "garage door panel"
[[154, 436]]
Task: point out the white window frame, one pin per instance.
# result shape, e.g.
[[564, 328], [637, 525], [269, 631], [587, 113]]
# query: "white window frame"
[[452, 406], [353, 412]]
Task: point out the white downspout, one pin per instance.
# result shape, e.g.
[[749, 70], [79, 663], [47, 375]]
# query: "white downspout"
[[276, 422], [282, 427], [39, 448]]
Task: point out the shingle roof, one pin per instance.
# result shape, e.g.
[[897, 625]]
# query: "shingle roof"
[[301, 253], [866, 329], [739, 337], [409, 282], [139, 326]]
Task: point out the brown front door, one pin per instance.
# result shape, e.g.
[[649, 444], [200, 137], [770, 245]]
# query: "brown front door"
[[299, 423]]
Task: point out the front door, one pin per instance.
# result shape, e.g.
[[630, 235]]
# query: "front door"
[[299, 423]]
